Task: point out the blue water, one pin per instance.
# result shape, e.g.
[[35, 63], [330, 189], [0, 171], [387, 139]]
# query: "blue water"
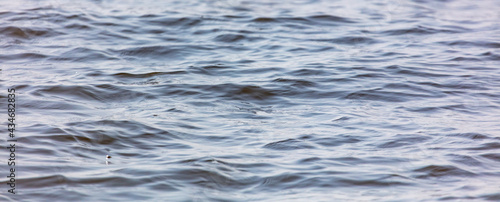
[[236, 100]]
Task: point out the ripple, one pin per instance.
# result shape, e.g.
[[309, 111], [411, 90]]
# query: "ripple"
[[151, 51], [229, 38], [386, 96], [419, 30], [168, 22], [433, 171], [27, 33], [84, 55], [101, 93], [349, 40], [288, 144]]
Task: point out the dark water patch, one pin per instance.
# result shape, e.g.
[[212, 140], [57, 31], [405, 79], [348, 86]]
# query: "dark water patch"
[[441, 171], [310, 160], [23, 56], [295, 82], [467, 198], [112, 36], [310, 20], [102, 93], [150, 16], [180, 90], [78, 26], [132, 129], [288, 144], [53, 180], [241, 92], [406, 87], [41, 150], [211, 179], [385, 181], [349, 40], [56, 15], [491, 197], [465, 160], [242, 166], [330, 19], [84, 55], [230, 38], [390, 67], [106, 24], [492, 156], [271, 183], [420, 73], [254, 92], [212, 70], [337, 80], [386, 96], [55, 105], [158, 31], [206, 31], [95, 138], [235, 16], [264, 19], [401, 140], [291, 181], [486, 146], [480, 44], [27, 33], [369, 159], [472, 136], [419, 30], [371, 75], [436, 109], [126, 75], [309, 72], [282, 20], [216, 67], [121, 140], [490, 56], [453, 85], [299, 93], [185, 22], [462, 59], [118, 181], [5, 14], [336, 141], [153, 52]]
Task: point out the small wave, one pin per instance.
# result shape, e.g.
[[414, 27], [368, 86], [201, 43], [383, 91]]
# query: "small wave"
[[230, 38], [419, 30], [27, 33], [441, 171], [165, 52], [349, 40], [288, 144], [386, 96], [84, 55], [168, 22]]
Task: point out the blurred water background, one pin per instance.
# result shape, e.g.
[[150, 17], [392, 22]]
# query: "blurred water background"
[[236, 100]]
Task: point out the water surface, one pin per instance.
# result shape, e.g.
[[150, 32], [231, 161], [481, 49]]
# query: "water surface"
[[236, 100]]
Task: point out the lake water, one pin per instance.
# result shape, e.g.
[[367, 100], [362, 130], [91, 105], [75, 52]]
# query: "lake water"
[[235, 100]]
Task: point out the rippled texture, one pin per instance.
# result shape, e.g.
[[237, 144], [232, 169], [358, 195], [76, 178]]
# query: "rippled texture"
[[236, 100]]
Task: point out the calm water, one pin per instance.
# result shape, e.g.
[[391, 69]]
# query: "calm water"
[[232, 100]]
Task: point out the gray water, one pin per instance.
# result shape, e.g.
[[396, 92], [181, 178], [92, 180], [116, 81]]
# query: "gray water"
[[237, 100]]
